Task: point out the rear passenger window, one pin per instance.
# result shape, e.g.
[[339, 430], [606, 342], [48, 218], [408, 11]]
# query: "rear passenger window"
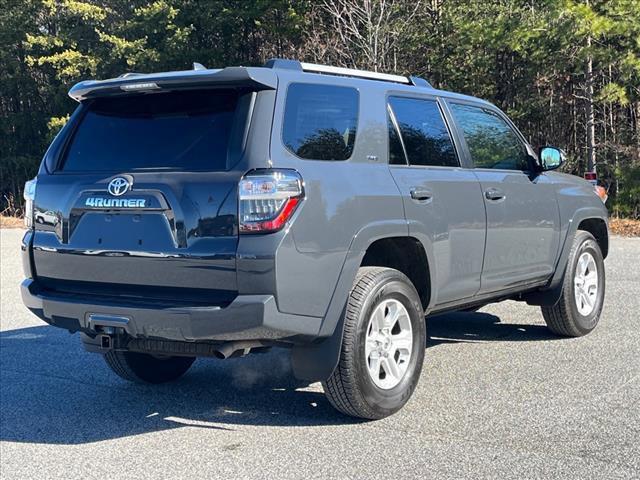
[[320, 121], [396, 151], [423, 133], [491, 141]]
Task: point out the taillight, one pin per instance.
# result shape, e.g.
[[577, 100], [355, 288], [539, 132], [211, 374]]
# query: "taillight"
[[29, 196], [268, 198]]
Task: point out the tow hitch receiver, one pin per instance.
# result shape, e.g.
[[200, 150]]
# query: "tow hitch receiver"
[[108, 328], [105, 342]]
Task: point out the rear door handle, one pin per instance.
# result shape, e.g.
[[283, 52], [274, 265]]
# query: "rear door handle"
[[494, 194], [421, 193]]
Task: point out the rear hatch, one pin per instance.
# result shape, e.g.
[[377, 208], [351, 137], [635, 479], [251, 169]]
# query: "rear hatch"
[[142, 201]]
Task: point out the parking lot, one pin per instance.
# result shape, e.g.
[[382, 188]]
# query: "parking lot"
[[499, 397]]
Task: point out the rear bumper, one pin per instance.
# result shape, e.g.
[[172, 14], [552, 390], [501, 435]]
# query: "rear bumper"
[[248, 317]]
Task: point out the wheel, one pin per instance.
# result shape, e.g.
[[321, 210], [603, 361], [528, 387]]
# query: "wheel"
[[578, 310], [145, 368], [382, 346]]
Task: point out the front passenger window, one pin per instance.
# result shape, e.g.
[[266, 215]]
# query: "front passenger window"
[[492, 142]]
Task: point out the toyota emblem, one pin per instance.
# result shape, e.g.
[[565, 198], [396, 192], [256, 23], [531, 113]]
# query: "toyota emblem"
[[118, 186]]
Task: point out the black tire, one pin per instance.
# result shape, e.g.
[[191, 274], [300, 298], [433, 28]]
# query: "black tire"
[[350, 389], [145, 368], [564, 318]]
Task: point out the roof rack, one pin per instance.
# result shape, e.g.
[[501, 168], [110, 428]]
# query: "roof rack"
[[345, 72]]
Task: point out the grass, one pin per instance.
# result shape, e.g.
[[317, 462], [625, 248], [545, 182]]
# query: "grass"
[[11, 222], [11, 215]]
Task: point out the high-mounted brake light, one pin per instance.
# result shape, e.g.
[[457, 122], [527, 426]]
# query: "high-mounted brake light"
[[139, 86], [29, 196], [268, 198]]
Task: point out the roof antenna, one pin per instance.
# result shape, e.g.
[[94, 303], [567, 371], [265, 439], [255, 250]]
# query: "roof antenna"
[[198, 66]]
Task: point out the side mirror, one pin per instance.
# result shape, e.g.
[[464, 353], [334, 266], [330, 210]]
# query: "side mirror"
[[550, 158]]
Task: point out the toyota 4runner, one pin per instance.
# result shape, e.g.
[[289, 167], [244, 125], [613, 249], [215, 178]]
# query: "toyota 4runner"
[[327, 210]]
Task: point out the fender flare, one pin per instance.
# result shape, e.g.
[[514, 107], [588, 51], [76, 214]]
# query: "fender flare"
[[550, 295], [316, 361]]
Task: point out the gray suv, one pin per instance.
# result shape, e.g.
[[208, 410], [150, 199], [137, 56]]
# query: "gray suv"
[[216, 213]]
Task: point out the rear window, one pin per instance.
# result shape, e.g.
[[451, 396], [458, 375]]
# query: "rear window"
[[320, 121], [188, 130]]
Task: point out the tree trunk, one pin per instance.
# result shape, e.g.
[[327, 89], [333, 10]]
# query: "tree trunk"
[[591, 118]]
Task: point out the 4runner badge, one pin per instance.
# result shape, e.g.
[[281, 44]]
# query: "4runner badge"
[[99, 202]]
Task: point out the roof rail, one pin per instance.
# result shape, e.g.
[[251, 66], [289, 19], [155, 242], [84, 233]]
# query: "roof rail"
[[350, 72], [346, 72]]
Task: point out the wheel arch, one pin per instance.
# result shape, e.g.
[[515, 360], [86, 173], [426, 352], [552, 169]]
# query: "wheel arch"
[[317, 361], [587, 219], [597, 227], [406, 254]]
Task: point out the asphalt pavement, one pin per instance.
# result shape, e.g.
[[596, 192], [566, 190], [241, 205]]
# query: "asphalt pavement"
[[499, 397]]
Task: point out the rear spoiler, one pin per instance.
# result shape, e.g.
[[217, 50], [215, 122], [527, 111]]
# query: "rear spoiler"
[[255, 78]]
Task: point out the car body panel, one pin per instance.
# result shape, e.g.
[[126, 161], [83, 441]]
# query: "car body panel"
[[453, 219], [341, 199], [577, 202], [523, 229]]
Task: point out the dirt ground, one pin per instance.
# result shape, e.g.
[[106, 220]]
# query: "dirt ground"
[[625, 227]]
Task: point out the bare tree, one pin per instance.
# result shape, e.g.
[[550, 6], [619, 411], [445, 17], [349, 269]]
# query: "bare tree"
[[362, 33], [591, 117]]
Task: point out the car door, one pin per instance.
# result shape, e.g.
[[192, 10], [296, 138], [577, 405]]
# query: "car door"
[[522, 211], [442, 200]]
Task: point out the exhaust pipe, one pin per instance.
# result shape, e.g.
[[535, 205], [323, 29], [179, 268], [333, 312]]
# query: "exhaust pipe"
[[236, 349]]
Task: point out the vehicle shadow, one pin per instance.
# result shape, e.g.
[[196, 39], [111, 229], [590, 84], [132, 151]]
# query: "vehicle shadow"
[[456, 327], [52, 391]]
